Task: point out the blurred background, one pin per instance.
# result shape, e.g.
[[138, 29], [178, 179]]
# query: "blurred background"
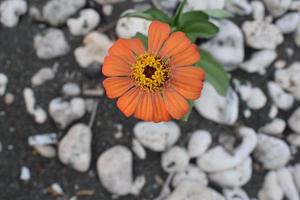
[[55, 120]]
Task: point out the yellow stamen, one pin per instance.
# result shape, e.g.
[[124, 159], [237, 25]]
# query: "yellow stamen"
[[150, 72]]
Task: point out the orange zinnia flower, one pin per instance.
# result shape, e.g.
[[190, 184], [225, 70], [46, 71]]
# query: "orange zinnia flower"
[[153, 84]]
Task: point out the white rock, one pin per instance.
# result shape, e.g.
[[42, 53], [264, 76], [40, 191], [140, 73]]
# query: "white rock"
[[287, 184], [40, 115], [273, 111], [138, 149], [281, 99], [167, 5], [199, 143], [271, 190], [51, 43], [87, 21], [46, 151], [107, 9], [275, 127], [95, 49], [228, 45], [43, 75], [3, 83], [138, 185], [259, 61], [56, 12], [247, 113], [71, 89], [289, 79], [9, 98], [103, 2], [280, 64], [157, 136], [295, 5], [57, 189], [25, 174], [240, 7], [262, 35], [114, 168], [296, 175], [253, 96], [75, 147], [218, 159], [190, 190], [63, 112], [297, 36], [271, 152], [235, 194], [191, 173], [288, 23], [235, 177], [277, 7], [258, 10], [294, 139], [42, 139], [294, 121], [220, 109], [204, 5], [11, 10], [127, 27], [175, 160]]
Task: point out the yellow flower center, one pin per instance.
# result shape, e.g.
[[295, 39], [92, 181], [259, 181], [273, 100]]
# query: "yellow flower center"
[[151, 72]]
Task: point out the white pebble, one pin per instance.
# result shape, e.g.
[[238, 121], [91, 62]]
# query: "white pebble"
[[275, 127], [138, 149], [25, 174], [199, 143], [271, 190], [3, 83], [10, 12], [42, 139], [175, 160], [191, 173], [46, 151], [247, 93], [282, 99], [294, 121], [71, 89], [287, 184], [43, 75], [288, 23]]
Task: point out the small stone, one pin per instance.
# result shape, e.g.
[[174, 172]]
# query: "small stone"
[[191, 173], [287, 183], [64, 113], [277, 7], [235, 177], [215, 107], [262, 35], [51, 43], [240, 7], [259, 61], [281, 99], [228, 45], [157, 136], [167, 5], [114, 168], [104, 2], [10, 12], [296, 175], [271, 190], [289, 79], [247, 93], [273, 111], [294, 139], [138, 185], [71, 89], [43, 75], [258, 10], [271, 152], [56, 189], [199, 143], [95, 49], [75, 147], [247, 113], [127, 27], [138, 149], [275, 127], [235, 194], [40, 115], [107, 9], [204, 5], [294, 121], [25, 174], [86, 22], [288, 23], [3, 83], [175, 160], [9, 98], [280, 64], [42, 139], [46, 151], [56, 12]]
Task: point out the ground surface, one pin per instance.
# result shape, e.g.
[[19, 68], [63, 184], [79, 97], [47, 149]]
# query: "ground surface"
[[19, 62]]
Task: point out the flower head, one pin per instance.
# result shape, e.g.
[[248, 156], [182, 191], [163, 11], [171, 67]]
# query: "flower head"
[[153, 84]]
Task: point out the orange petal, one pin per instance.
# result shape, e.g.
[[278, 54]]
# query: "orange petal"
[[115, 66], [176, 43], [116, 86], [157, 34], [135, 45], [188, 81], [129, 101], [160, 112], [176, 105], [122, 51], [186, 58], [144, 109]]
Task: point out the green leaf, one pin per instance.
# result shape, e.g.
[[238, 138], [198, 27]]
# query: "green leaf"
[[179, 12], [193, 16], [150, 14], [143, 38], [186, 117], [218, 13], [201, 29], [214, 72]]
